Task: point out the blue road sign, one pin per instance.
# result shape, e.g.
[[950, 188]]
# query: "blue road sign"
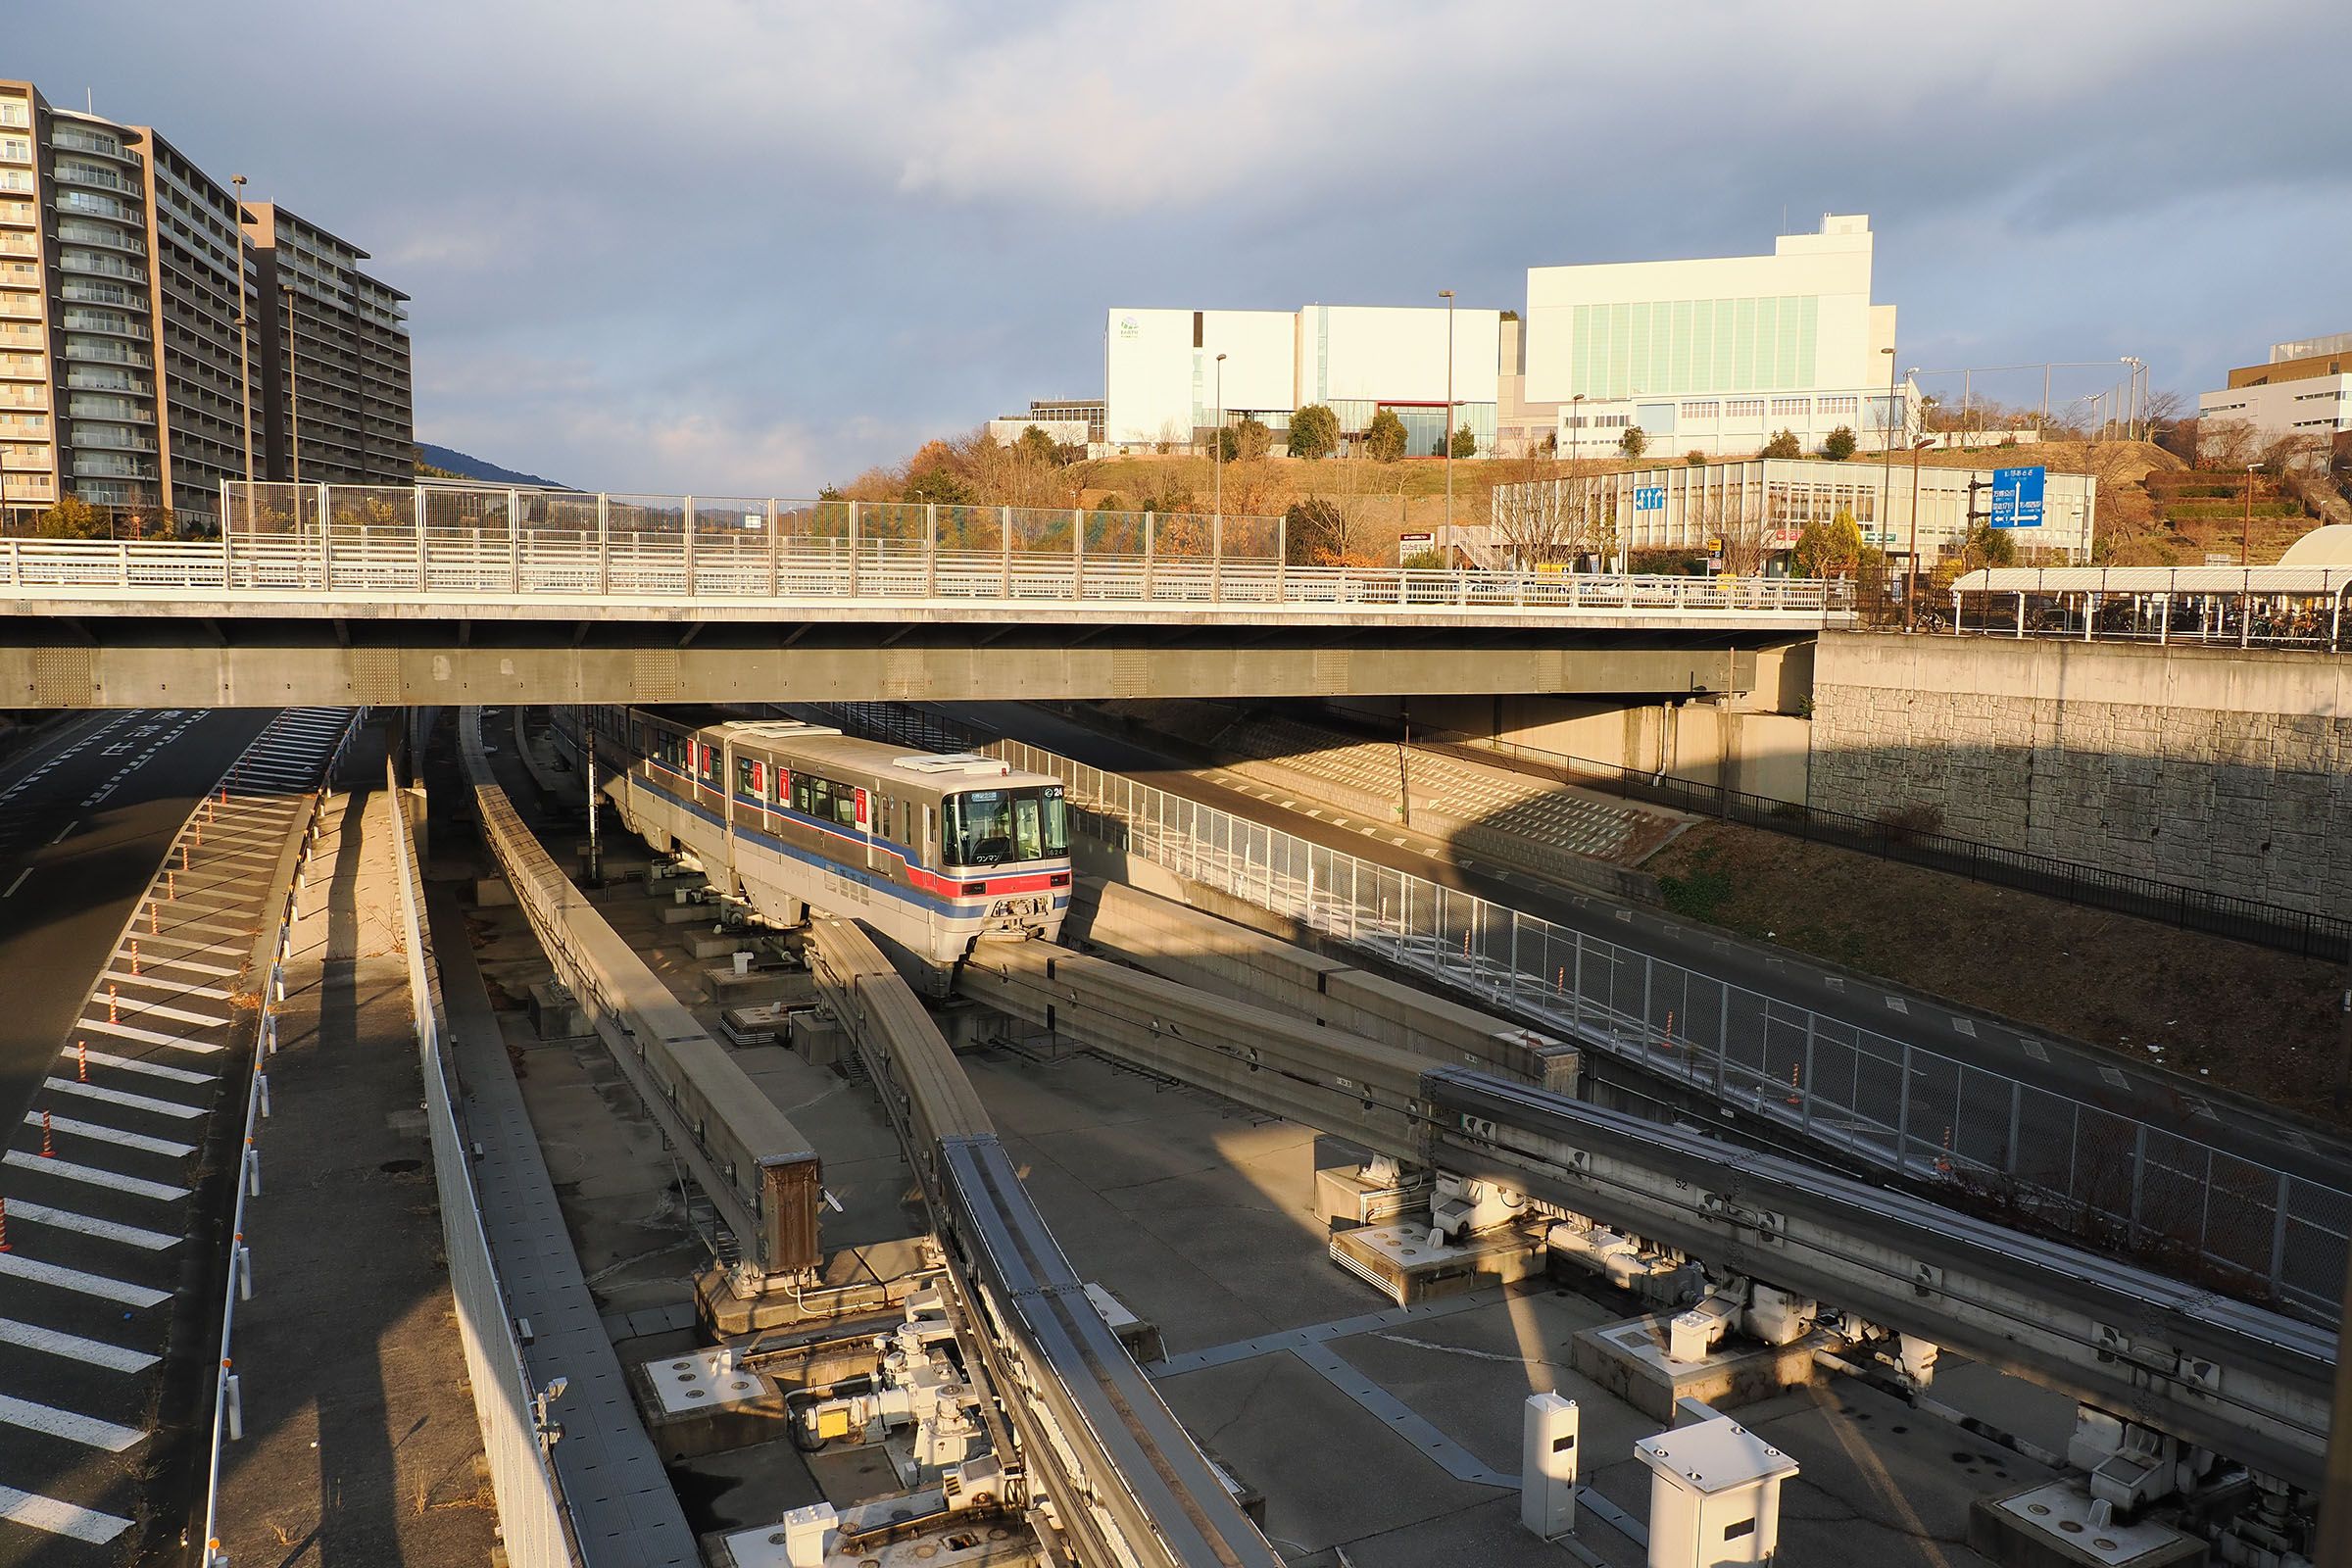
[[1651, 498], [2017, 496]]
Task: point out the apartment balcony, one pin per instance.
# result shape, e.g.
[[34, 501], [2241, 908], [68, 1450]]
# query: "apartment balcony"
[[96, 179], [19, 307], [106, 465], [36, 461], [106, 324], [91, 204], [29, 487], [23, 368], [87, 407], [76, 263], [117, 295], [130, 242], [85, 440], [79, 379], [75, 139], [25, 247], [89, 351]]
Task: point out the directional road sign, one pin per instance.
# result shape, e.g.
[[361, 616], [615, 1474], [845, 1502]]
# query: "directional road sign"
[[2017, 496]]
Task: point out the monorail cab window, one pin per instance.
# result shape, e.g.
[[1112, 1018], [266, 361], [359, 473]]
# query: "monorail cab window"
[[997, 827]]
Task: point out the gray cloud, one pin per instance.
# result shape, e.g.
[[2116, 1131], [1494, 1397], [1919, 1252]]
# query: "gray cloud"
[[731, 244]]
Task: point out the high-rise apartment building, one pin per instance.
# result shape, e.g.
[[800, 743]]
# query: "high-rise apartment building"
[[347, 371], [125, 371]]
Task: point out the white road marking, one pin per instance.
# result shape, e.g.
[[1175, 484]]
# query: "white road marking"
[[89, 1431], [123, 1097], [81, 1284], [67, 1519], [63, 831], [91, 1176], [2038, 1051], [112, 1135], [1897, 1005], [93, 1352], [135, 1006], [2115, 1078], [146, 962], [18, 883], [165, 983], [106, 1230], [133, 1032], [2204, 1109], [1965, 1027]]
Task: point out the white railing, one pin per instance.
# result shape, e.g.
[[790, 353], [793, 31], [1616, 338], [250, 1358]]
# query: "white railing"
[[381, 544]]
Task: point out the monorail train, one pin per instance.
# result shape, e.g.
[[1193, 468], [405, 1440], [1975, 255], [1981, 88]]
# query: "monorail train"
[[933, 852]]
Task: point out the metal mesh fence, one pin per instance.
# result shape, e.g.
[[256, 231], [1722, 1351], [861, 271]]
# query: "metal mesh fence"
[[2107, 1179]]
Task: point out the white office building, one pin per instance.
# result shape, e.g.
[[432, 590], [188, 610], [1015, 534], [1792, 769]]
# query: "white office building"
[[2302, 392], [1717, 355], [1164, 382]]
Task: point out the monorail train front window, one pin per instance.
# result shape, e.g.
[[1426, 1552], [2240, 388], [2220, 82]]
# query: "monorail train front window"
[[989, 827]]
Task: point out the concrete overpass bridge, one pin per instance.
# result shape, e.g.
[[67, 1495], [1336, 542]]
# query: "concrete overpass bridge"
[[435, 596]]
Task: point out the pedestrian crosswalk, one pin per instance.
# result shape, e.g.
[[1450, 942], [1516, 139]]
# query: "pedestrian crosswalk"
[[104, 1184]]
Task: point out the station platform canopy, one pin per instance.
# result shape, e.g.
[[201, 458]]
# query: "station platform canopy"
[[2296, 580]]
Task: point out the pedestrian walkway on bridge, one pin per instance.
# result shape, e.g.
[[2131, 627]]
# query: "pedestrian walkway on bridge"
[[361, 1439]]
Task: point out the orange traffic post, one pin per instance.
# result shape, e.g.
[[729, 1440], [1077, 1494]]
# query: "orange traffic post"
[[114, 1008], [81, 1061], [3, 1224], [48, 1142], [1795, 1095], [134, 954]]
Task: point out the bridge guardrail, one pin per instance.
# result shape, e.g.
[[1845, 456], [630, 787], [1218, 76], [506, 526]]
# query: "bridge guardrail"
[[373, 541], [2110, 1180]]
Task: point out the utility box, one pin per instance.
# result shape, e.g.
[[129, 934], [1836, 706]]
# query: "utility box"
[[1547, 1466], [1714, 1496]]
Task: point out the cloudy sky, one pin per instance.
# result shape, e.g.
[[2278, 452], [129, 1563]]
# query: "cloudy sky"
[[752, 246]]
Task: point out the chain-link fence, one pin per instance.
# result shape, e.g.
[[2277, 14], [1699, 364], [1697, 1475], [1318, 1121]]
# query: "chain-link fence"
[[2110, 1180]]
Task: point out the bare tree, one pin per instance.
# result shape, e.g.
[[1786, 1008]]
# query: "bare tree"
[[1734, 523], [1543, 512]]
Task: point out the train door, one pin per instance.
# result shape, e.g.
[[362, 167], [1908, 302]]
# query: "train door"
[[726, 807]]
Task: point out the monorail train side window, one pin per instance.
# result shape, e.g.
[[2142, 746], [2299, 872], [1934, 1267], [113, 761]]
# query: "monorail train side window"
[[930, 845], [711, 765], [803, 794], [750, 778]]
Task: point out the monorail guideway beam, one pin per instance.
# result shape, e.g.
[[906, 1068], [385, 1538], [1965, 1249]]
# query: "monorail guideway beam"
[[2242, 1381], [759, 1171]]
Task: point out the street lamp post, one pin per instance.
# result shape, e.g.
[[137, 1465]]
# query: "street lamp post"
[[1217, 443], [293, 408], [1447, 295], [244, 353], [1886, 482], [2245, 548]]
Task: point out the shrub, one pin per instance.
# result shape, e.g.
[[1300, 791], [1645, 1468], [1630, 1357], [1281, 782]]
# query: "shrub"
[[1465, 445], [1385, 436], [1784, 445], [1314, 432], [1838, 445], [1634, 442], [1695, 457], [1424, 560]]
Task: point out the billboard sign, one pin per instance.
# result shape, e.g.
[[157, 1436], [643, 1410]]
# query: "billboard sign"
[[2017, 496]]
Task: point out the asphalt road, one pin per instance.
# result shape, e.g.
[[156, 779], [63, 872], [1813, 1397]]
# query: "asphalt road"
[[2061, 1067], [87, 813]]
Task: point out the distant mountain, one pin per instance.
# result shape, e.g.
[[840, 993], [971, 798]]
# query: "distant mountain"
[[468, 466]]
